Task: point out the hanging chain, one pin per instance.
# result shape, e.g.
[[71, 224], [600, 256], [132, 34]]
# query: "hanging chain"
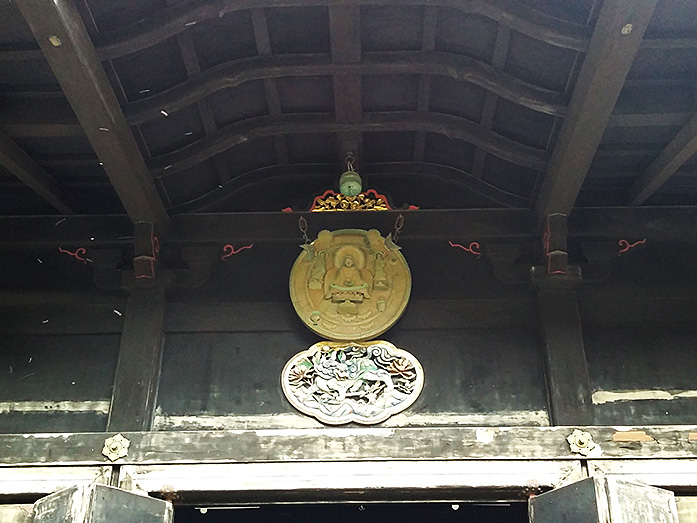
[[350, 160], [302, 225], [398, 226]]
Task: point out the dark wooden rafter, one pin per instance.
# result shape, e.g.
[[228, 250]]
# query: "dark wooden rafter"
[[174, 20], [498, 61], [273, 100], [13, 54], [237, 72], [205, 111], [428, 44], [48, 126], [518, 17], [676, 153], [58, 28], [345, 40], [427, 171], [618, 32], [19, 163], [253, 128], [85, 11]]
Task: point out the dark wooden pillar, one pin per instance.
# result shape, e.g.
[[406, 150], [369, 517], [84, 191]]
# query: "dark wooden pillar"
[[566, 370], [140, 356], [140, 352]]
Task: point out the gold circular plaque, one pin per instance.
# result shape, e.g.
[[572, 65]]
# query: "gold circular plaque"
[[350, 285]]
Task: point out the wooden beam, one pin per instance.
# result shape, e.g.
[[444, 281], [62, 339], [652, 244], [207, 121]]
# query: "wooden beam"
[[253, 128], [428, 44], [401, 481], [498, 61], [343, 444], [169, 22], [676, 153], [273, 100], [345, 39], [62, 36], [656, 224], [618, 32], [238, 72], [205, 111], [19, 163]]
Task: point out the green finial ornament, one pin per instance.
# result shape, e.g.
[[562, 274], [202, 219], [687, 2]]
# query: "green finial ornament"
[[350, 183]]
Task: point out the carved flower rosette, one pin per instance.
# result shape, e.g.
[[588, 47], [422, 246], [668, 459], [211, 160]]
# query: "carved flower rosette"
[[342, 382]]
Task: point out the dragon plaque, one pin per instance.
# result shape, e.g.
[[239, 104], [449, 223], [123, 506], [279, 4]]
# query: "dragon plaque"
[[350, 284], [362, 382]]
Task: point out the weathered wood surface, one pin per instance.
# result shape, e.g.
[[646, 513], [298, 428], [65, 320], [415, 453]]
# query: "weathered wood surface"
[[420, 315], [663, 473], [174, 20], [28, 481], [140, 357], [604, 499], [62, 319], [342, 444], [483, 224], [353, 481], [566, 369], [244, 131], [238, 72], [15, 513], [656, 224]]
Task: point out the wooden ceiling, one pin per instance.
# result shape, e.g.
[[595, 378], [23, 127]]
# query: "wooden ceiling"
[[161, 107]]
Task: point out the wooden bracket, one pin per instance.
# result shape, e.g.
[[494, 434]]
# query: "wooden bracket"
[[554, 243], [556, 273], [147, 246]]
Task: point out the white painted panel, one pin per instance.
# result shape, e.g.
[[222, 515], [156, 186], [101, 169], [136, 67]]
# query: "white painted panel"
[[45, 480], [657, 472], [351, 476]]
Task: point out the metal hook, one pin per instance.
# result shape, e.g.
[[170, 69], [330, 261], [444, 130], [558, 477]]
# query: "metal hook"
[[350, 160], [302, 225]]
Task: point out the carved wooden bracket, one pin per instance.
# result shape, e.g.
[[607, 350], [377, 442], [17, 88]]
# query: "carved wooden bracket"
[[556, 273], [147, 247]]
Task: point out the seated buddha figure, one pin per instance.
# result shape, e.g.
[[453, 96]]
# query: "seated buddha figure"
[[348, 282]]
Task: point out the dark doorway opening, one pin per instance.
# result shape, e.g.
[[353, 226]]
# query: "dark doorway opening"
[[358, 513]]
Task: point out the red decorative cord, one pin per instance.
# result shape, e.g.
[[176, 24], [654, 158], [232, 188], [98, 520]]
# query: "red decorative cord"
[[230, 250], [473, 248], [626, 245], [79, 254]]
